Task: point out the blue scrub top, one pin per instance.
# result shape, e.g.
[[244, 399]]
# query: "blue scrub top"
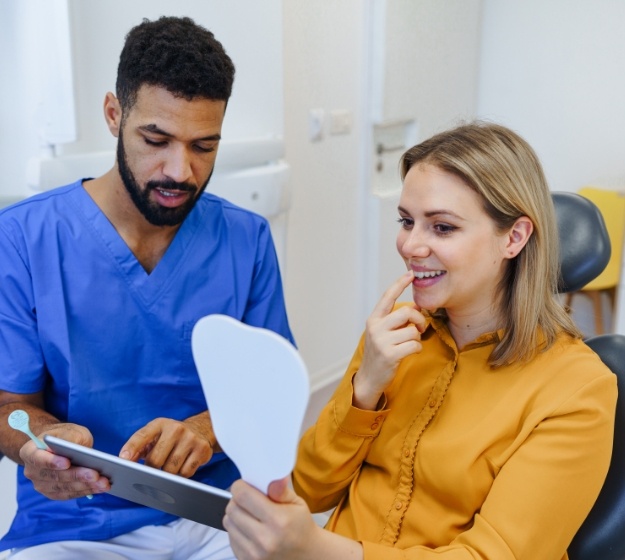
[[109, 344]]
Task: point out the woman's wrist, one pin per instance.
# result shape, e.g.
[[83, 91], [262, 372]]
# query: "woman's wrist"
[[363, 395], [331, 546]]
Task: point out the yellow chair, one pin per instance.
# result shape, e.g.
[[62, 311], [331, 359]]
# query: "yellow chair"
[[611, 204]]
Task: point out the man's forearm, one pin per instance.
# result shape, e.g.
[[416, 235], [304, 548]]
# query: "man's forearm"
[[11, 441]]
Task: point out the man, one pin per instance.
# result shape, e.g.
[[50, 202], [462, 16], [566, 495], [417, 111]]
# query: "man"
[[101, 283]]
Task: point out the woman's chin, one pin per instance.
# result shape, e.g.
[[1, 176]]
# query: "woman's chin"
[[426, 304]]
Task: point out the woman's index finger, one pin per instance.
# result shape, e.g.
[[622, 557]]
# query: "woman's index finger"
[[389, 298]]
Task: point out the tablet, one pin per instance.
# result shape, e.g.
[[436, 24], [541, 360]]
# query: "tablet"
[[149, 486]]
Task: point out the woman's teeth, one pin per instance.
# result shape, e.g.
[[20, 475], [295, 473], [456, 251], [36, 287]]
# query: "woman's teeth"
[[432, 274]]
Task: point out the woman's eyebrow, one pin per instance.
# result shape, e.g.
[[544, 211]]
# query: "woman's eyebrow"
[[432, 213]]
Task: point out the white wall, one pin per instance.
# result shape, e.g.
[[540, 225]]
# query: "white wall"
[[329, 66], [555, 72], [249, 30], [17, 87], [431, 62], [324, 69], [8, 490], [424, 80]]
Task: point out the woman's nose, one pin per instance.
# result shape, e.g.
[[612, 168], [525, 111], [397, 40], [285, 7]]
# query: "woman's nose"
[[412, 244]]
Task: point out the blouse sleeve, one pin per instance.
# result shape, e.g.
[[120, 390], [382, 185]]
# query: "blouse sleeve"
[[331, 452]]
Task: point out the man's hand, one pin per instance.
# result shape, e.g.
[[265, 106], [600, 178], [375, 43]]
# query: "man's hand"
[[53, 475], [173, 446]]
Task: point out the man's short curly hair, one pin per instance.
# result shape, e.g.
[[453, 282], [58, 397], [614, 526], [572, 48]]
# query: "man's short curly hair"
[[177, 54]]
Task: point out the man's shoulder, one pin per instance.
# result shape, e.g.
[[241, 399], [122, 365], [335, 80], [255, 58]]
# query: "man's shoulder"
[[40, 202], [232, 212], [38, 213]]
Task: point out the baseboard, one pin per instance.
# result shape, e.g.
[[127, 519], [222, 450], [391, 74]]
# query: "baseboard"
[[331, 375], [322, 385]]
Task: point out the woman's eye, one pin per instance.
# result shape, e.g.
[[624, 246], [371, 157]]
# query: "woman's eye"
[[444, 229], [406, 223]]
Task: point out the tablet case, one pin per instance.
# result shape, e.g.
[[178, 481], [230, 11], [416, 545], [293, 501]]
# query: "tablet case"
[[149, 486]]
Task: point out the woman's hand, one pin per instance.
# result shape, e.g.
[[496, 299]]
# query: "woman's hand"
[[390, 336], [280, 527], [260, 528]]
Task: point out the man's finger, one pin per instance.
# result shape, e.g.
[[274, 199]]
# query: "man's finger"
[[41, 459], [140, 441]]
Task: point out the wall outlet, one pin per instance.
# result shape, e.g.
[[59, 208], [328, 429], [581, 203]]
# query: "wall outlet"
[[340, 122]]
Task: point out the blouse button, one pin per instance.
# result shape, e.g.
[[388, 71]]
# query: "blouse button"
[[406, 452], [379, 419], [432, 404], [398, 505], [374, 425]]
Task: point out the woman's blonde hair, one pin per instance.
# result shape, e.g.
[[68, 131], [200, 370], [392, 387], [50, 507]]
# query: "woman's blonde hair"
[[502, 167]]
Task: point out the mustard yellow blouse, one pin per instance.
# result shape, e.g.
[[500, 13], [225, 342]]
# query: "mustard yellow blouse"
[[462, 461]]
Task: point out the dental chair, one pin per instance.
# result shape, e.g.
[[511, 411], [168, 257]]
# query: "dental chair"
[[611, 204], [584, 253]]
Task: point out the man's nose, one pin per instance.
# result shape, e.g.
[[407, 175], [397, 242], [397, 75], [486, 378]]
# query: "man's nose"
[[177, 166]]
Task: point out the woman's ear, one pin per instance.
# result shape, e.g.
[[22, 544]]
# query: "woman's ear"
[[112, 114], [518, 236]]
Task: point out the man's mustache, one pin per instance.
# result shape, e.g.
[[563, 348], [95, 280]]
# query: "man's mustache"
[[170, 185]]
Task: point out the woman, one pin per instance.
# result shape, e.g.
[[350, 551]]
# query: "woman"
[[473, 423]]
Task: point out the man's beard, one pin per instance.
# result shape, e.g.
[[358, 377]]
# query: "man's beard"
[[153, 212]]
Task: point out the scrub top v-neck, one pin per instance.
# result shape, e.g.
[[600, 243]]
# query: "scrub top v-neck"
[[146, 286]]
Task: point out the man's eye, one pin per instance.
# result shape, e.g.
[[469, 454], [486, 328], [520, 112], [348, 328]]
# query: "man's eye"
[[154, 142], [204, 149]]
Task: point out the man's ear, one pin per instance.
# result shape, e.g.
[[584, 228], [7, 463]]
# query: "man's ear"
[[518, 236], [112, 114]]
